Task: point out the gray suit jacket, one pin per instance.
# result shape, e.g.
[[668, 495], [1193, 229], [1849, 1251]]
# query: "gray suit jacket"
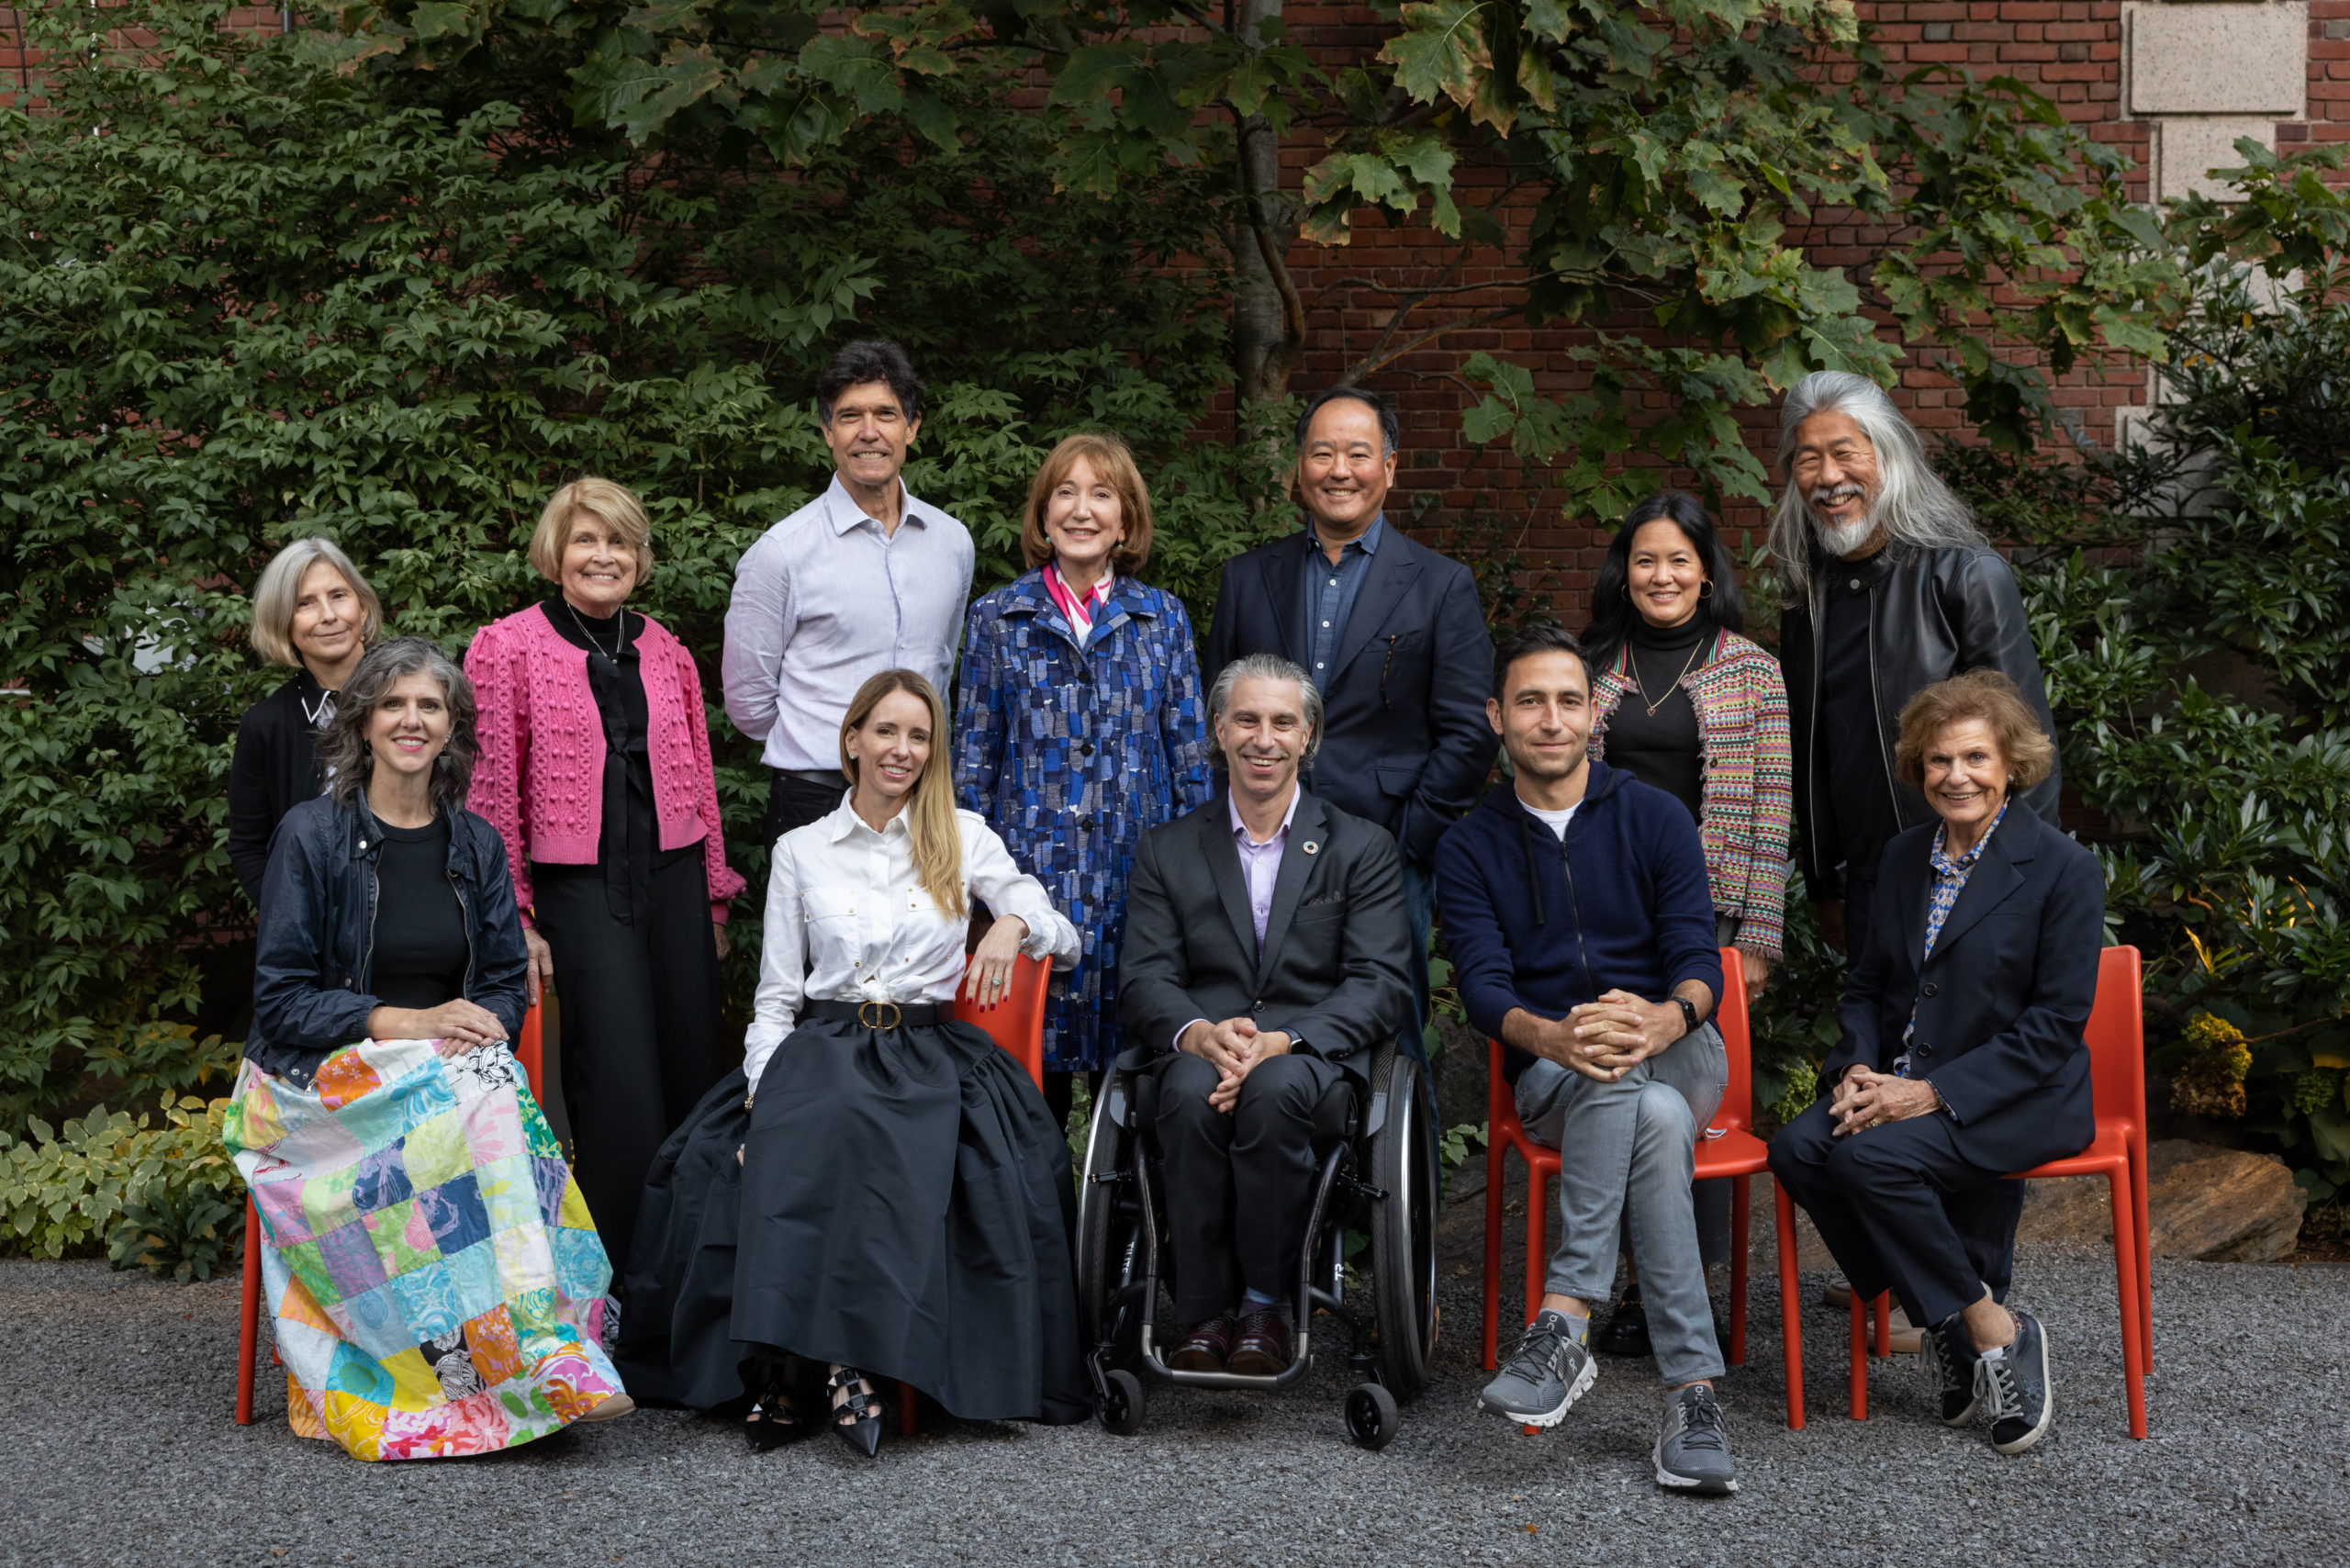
[[1333, 969]]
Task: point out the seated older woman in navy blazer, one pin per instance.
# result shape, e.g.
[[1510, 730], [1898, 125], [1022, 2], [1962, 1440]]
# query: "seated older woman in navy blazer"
[[1962, 1058]]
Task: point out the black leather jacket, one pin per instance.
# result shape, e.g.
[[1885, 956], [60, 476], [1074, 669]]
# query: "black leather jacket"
[[1933, 614], [318, 932]]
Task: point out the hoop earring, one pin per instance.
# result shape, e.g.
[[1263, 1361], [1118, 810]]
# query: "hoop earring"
[[1707, 592]]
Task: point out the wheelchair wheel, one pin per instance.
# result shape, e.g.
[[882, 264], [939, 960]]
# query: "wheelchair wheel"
[[1121, 1411], [1372, 1419], [1101, 1240], [1402, 1233]]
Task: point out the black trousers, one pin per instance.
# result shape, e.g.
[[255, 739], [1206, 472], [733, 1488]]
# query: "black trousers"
[[795, 802], [642, 1040], [1239, 1188], [1903, 1209]]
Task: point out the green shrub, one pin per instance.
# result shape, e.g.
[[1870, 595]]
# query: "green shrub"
[[164, 1198]]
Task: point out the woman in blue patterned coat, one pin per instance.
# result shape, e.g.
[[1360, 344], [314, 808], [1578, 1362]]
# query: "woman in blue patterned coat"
[[1080, 723]]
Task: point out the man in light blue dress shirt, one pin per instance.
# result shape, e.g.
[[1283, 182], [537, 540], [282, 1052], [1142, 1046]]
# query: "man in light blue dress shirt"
[[862, 579]]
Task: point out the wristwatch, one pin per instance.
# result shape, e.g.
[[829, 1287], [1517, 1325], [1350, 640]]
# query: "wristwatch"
[[1688, 1014]]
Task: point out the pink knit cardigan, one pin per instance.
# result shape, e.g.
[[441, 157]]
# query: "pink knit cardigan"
[[540, 777], [1742, 727]]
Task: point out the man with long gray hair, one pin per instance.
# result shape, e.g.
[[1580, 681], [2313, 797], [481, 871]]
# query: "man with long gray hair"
[[1891, 587]]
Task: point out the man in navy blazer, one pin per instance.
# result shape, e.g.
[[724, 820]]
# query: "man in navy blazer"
[[1390, 632], [1962, 1057]]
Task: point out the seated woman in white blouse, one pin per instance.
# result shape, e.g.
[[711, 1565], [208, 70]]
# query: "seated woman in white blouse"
[[881, 1191]]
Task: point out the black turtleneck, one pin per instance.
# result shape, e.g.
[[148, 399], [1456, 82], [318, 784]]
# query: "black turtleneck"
[[631, 836], [1662, 750]]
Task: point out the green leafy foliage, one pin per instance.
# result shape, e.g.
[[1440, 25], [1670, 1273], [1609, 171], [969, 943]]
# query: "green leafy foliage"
[[165, 1198], [255, 297]]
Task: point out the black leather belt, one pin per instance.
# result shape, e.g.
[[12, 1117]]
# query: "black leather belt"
[[877, 1015]]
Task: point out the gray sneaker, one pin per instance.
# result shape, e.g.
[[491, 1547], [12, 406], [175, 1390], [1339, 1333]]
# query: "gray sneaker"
[[1547, 1374], [2017, 1395], [1693, 1446]]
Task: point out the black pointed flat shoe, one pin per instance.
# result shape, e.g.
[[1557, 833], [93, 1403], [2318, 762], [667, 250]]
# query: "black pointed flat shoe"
[[857, 1410], [775, 1418]]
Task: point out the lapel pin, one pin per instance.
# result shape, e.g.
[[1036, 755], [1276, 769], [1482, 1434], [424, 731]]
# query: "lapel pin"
[[1309, 846]]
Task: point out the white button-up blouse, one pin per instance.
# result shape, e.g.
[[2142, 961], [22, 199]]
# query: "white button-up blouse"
[[844, 902]]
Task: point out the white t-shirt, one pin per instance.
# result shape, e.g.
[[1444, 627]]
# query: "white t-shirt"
[[1557, 821]]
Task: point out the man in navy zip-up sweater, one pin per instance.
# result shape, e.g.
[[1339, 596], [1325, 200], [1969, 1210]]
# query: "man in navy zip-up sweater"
[[1582, 930]]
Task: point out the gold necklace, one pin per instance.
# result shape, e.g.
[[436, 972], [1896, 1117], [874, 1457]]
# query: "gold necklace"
[[1632, 650]]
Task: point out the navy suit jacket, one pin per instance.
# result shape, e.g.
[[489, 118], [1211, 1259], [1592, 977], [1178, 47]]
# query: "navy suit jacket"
[[2004, 1001], [1405, 740]]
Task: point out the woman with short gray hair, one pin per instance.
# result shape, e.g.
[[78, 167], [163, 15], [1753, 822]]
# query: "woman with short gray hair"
[[436, 1283], [314, 612]]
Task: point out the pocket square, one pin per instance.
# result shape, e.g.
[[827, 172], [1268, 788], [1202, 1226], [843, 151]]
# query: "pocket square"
[[1319, 900]]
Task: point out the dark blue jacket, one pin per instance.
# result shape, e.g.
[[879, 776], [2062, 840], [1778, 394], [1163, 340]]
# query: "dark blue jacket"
[[317, 907], [2003, 1002], [1622, 905], [1405, 740]]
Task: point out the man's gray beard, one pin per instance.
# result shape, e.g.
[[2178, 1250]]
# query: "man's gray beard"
[[1844, 541]]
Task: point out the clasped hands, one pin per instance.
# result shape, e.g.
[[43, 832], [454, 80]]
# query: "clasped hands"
[[1608, 1038], [1866, 1098], [1232, 1048], [459, 1026]]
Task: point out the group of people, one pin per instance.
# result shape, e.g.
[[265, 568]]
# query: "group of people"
[[1234, 879]]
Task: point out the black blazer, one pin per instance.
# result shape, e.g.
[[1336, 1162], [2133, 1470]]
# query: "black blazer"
[[1335, 941], [1405, 740], [2002, 1004], [275, 768]]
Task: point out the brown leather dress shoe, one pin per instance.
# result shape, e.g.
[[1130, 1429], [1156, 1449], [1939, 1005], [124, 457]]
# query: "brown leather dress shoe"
[[1263, 1347], [1204, 1346]]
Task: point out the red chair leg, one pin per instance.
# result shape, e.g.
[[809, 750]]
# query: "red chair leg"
[[2139, 1212], [248, 1318], [1859, 1401], [1738, 1221], [1790, 1308], [906, 1426], [2128, 1300], [1884, 1324], [1493, 1242], [1537, 1233]]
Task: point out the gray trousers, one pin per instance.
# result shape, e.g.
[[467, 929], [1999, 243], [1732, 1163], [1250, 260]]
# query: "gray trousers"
[[1627, 1151]]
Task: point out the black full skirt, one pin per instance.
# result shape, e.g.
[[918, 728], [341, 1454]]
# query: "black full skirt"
[[903, 1207]]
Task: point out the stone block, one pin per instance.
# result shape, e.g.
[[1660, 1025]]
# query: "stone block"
[[2222, 1206], [2186, 150], [2218, 58]]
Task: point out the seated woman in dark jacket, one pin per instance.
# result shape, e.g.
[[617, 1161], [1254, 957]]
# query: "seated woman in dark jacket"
[[1962, 1059], [436, 1285]]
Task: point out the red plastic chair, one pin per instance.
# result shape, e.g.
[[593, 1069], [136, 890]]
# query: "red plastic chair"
[[2116, 1037], [1725, 1149], [1017, 1023], [526, 1051]]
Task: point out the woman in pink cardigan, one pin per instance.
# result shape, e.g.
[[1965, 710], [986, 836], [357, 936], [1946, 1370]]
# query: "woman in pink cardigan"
[[595, 769]]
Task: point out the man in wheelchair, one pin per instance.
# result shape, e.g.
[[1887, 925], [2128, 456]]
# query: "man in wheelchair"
[[1576, 903], [1265, 956]]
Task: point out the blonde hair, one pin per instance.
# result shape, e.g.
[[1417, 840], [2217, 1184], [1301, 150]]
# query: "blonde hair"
[[1113, 462], [1983, 694], [930, 811], [616, 505], [279, 593]]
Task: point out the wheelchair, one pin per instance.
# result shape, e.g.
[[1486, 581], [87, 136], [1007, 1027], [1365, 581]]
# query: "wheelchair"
[[1378, 1179]]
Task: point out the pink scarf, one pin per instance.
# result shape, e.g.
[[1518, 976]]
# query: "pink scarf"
[[1081, 610]]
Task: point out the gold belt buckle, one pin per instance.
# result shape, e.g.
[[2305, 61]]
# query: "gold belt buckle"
[[886, 1014]]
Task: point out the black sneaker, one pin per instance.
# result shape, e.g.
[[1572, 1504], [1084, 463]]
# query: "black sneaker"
[[1949, 1360], [2017, 1392], [1626, 1333], [1692, 1447], [1546, 1372]]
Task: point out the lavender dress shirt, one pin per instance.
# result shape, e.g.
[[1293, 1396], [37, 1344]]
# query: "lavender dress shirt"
[[1260, 867]]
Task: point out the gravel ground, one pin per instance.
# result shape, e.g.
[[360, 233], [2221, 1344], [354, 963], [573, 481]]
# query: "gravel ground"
[[115, 1447]]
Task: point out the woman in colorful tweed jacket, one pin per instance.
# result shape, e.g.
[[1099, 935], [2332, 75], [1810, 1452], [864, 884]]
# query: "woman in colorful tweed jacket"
[[1079, 722], [1686, 704]]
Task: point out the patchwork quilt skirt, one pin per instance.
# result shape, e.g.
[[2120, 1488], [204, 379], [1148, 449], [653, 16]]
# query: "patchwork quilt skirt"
[[436, 1283]]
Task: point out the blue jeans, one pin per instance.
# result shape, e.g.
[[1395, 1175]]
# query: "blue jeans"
[[1629, 1150]]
